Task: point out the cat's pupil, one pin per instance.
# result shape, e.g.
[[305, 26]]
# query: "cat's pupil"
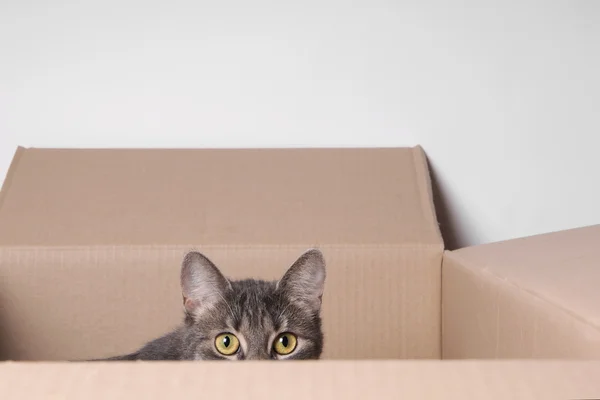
[[284, 341], [226, 341]]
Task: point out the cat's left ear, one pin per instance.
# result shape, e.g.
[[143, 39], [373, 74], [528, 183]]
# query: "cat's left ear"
[[304, 281]]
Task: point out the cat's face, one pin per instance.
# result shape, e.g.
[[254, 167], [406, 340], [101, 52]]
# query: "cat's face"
[[253, 319]]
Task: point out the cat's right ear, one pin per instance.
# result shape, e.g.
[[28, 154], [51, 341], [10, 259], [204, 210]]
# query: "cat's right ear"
[[202, 284], [304, 281]]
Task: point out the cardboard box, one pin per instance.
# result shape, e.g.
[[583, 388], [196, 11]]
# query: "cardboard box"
[[533, 297], [91, 243]]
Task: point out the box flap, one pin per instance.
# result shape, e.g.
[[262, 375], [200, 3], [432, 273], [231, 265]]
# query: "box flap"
[[560, 268], [514, 380], [531, 297], [70, 197]]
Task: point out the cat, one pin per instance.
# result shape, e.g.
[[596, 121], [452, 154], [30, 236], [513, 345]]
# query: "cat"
[[245, 319]]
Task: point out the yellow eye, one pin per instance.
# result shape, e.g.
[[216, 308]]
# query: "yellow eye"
[[227, 344], [285, 343]]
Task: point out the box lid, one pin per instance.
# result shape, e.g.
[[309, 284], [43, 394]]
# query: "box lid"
[[535, 296], [527, 380], [560, 268], [68, 197]]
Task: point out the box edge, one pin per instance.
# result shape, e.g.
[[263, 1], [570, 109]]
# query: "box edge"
[[10, 173]]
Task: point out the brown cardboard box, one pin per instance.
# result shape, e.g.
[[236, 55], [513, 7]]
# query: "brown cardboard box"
[[533, 297], [91, 243]]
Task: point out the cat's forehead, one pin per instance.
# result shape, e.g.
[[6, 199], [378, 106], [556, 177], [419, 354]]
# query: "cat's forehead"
[[254, 302], [253, 288]]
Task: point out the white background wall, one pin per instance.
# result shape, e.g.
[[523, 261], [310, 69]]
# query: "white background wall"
[[505, 99]]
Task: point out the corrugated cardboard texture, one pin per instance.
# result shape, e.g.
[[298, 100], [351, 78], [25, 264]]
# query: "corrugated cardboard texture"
[[91, 243], [534, 297], [514, 380], [216, 197]]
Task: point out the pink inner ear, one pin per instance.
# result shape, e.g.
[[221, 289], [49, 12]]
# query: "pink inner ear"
[[189, 304]]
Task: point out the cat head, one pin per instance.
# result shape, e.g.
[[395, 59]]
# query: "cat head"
[[253, 319]]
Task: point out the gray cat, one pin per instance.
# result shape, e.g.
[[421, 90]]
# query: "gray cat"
[[246, 319]]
